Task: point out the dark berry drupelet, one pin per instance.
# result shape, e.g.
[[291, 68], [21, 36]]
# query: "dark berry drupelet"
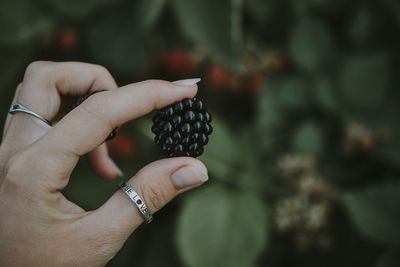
[[81, 99], [182, 129]]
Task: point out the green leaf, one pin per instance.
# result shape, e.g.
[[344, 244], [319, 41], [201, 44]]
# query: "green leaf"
[[223, 152], [251, 175], [292, 93], [324, 94], [116, 42], [376, 212], [269, 119], [311, 45], [222, 228], [365, 81], [214, 25], [308, 139], [147, 12], [280, 97], [270, 115]]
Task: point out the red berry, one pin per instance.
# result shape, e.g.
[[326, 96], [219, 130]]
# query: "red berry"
[[122, 145], [216, 77], [68, 39], [235, 83], [178, 63]]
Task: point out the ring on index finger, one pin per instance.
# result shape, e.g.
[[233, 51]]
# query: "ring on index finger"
[[17, 107]]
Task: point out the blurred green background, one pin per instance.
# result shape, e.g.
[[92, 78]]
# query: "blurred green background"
[[305, 156]]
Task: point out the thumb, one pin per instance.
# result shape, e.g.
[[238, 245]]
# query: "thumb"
[[157, 184]]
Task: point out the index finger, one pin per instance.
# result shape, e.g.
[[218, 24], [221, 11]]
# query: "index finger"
[[41, 91], [87, 126], [45, 82]]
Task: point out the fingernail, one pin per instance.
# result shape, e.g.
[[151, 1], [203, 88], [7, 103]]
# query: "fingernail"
[[187, 177], [113, 165], [120, 173], [187, 82]]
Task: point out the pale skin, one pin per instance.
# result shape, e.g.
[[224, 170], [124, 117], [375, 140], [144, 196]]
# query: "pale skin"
[[38, 225]]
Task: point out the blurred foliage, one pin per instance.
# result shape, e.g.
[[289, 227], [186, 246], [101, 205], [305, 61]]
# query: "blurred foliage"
[[371, 211], [239, 220], [305, 156]]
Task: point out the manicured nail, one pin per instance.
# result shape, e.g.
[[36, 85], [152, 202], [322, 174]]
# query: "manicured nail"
[[187, 82], [120, 173], [111, 164], [188, 177]]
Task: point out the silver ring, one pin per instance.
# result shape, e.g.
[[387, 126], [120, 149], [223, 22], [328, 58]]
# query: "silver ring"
[[21, 108], [148, 217]]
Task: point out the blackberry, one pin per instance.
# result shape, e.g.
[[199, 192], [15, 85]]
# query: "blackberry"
[[182, 129], [81, 99]]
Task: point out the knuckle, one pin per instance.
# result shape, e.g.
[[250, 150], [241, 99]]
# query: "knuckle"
[[37, 69], [104, 78], [96, 108], [102, 70], [95, 105]]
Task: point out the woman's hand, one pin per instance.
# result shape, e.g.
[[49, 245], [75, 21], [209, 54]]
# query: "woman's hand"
[[38, 225]]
